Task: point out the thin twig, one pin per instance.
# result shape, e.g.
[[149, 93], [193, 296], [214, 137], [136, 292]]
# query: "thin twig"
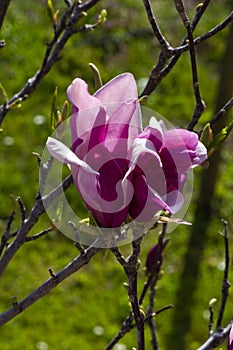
[[127, 325], [22, 209], [219, 114], [62, 34], [225, 282], [39, 234], [151, 321], [163, 42], [155, 79], [6, 235], [130, 266], [120, 258], [36, 212], [222, 111], [47, 286], [200, 106], [211, 322], [77, 244], [216, 339], [3, 10], [159, 311], [132, 274]]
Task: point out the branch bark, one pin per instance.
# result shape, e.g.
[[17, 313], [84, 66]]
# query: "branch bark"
[[3, 10], [47, 286], [62, 34]]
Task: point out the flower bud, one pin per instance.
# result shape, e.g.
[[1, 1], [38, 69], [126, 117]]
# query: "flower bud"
[[152, 258]]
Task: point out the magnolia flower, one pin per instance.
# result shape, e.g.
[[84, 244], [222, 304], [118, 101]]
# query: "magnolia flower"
[[161, 160], [103, 127], [118, 168]]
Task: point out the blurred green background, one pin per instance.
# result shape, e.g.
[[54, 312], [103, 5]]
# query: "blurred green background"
[[87, 310]]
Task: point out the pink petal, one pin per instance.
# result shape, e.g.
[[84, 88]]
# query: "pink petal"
[[120, 89], [230, 339], [201, 154], [79, 96]]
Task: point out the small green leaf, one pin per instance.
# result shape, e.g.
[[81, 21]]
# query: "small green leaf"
[[143, 99], [16, 104], [50, 9], [97, 76], [206, 135], [3, 94], [65, 110], [54, 110], [102, 16], [219, 138]]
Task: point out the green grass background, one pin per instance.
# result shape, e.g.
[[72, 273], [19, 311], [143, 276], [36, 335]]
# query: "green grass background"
[[95, 297]]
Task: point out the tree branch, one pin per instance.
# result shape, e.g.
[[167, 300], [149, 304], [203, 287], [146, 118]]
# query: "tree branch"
[[216, 339], [159, 73], [220, 334], [47, 286], [200, 106], [225, 282], [62, 34], [127, 325], [3, 10], [157, 32], [37, 210]]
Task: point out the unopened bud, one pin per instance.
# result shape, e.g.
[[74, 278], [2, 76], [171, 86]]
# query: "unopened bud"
[[212, 302], [152, 258]]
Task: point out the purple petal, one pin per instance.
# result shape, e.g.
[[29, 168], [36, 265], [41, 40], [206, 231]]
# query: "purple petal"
[[146, 202]]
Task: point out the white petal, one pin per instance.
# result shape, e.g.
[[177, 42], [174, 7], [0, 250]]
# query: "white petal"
[[64, 155]]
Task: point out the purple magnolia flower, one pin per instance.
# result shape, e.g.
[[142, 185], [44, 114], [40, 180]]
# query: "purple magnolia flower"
[[230, 339], [161, 160], [118, 168], [103, 127]]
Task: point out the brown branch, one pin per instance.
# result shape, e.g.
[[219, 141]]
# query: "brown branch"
[[39, 234], [161, 71], [151, 321], [131, 271], [225, 282], [3, 10], [127, 325], [200, 106], [62, 34], [50, 284], [130, 266], [216, 339], [27, 225], [222, 111], [157, 32], [6, 235], [220, 334]]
